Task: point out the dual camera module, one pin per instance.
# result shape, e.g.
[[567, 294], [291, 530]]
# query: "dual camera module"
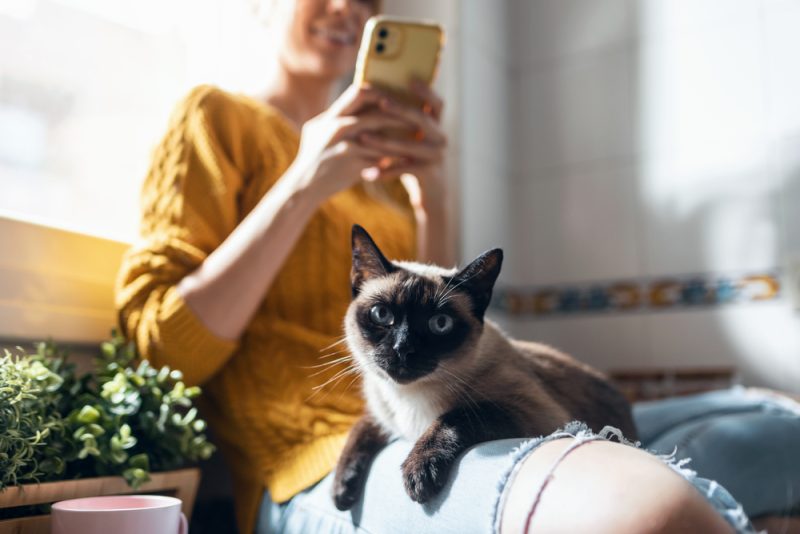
[[382, 34]]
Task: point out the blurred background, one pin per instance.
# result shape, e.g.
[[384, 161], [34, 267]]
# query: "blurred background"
[[638, 160]]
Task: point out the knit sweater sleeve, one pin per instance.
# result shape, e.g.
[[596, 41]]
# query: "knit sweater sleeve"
[[189, 206]]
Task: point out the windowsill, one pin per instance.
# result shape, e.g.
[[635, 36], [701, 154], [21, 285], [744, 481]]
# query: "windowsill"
[[56, 283]]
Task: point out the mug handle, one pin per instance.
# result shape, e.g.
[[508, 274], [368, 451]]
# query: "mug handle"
[[184, 527]]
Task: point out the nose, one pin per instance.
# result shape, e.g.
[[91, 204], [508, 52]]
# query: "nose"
[[339, 6], [403, 348], [402, 341]]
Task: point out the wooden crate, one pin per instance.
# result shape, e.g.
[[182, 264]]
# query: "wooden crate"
[[181, 483]]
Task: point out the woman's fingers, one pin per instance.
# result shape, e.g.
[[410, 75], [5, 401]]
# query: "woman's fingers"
[[370, 155], [426, 125], [434, 105], [352, 127], [416, 151], [357, 99]]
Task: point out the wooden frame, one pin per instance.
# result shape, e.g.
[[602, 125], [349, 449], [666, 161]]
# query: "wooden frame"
[[182, 483]]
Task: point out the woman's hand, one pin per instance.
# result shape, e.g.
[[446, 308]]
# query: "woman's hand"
[[331, 157], [421, 157]]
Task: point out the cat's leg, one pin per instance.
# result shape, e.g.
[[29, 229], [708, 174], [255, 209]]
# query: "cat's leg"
[[428, 465], [363, 443]]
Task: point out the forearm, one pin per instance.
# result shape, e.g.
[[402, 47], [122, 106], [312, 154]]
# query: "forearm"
[[227, 288]]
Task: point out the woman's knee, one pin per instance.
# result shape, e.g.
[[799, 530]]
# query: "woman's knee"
[[602, 486]]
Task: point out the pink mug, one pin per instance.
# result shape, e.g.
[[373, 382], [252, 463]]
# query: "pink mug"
[[119, 514]]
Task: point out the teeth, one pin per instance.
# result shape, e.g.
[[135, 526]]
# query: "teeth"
[[338, 36]]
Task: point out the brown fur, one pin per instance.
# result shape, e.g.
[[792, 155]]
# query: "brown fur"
[[451, 392]]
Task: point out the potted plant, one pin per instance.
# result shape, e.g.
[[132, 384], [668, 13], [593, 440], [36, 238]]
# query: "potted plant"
[[125, 427]]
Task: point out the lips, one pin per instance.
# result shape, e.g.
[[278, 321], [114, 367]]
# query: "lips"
[[336, 36]]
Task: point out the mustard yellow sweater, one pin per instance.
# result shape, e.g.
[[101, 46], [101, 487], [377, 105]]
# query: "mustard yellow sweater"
[[221, 154]]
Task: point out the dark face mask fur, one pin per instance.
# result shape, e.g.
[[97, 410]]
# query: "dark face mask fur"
[[437, 372]]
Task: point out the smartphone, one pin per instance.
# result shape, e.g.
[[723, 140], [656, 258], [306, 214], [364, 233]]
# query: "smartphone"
[[394, 51]]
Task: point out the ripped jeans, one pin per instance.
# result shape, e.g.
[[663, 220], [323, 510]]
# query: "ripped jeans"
[[725, 443]]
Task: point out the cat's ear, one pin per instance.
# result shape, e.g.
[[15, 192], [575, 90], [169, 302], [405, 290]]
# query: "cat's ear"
[[477, 279], [368, 260]]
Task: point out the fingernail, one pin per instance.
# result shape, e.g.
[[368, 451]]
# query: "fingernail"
[[370, 173]]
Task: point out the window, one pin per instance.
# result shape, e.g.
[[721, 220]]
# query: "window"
[[87, 86]]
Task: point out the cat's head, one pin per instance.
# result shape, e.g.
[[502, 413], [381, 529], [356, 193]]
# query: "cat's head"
[[408, 320]]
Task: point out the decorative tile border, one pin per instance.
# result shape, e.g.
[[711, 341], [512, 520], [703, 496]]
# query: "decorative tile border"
[[652, 294]]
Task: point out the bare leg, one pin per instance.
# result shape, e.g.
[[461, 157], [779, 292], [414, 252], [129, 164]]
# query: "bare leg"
[[605, 487]]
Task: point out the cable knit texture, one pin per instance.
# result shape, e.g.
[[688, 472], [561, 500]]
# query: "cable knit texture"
[[221, 154]]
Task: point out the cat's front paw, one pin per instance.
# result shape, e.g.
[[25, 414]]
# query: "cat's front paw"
[[425, 474], [346, 488]]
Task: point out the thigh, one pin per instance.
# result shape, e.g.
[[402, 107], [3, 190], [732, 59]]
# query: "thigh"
[[603, 487], [465, 505], [745, 440]]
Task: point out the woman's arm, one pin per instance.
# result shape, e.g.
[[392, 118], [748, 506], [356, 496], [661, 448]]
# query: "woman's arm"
[[188, 288], [227, 288]]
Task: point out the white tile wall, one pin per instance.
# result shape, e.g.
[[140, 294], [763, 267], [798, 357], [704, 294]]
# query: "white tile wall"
[[782, 42], [484, 210], [701, 101], [657, 18], [761, 340], [722, 225], [486, 29], [485, 110], [548, 30], [645, 138], [576, 226], [579, 112], [484, 152], [789, 173], [605, 342]]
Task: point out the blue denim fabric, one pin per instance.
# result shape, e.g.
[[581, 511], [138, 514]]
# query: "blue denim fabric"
[[723, 432], [747, 442]]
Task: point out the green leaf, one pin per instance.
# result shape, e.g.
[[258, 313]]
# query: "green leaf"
[[88, 414]]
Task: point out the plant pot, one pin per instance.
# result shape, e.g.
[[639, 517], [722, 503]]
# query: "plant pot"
[[181, 483]]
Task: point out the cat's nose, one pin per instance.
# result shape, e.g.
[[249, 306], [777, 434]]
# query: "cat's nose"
[[403, 349]]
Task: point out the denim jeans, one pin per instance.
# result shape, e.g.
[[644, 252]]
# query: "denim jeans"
[[725, 443]]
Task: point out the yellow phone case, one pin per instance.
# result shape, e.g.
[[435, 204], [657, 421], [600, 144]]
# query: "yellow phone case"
[[395, 50]]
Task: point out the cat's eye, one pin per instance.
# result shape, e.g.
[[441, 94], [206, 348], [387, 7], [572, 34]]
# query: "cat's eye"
[[382, 315], [440, 324]]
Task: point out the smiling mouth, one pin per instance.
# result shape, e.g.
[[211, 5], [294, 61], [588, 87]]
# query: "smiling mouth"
[[337, 37]]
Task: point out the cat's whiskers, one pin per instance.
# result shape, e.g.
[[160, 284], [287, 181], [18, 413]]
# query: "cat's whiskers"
[[328, 385], [442, 289], [339, 374], [355, 369], [334, 353], [444, 298], [326, 366], [337, 342]]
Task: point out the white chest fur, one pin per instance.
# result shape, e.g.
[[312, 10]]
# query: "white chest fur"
[[405, 411]]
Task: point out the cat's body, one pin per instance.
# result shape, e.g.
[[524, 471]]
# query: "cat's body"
[[437, 373], [537, 383]]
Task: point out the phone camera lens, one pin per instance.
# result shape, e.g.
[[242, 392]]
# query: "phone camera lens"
[[380, 48], [383, 33]]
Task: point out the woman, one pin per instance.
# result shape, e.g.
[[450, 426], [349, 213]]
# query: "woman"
[[241, 279]]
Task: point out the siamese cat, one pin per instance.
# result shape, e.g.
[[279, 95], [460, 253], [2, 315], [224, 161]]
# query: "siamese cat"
[[436, 372]]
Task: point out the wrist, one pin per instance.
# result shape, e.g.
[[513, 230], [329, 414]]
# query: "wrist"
[[300, 189]]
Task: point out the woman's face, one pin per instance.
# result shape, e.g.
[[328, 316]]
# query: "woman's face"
[[320, 37]]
